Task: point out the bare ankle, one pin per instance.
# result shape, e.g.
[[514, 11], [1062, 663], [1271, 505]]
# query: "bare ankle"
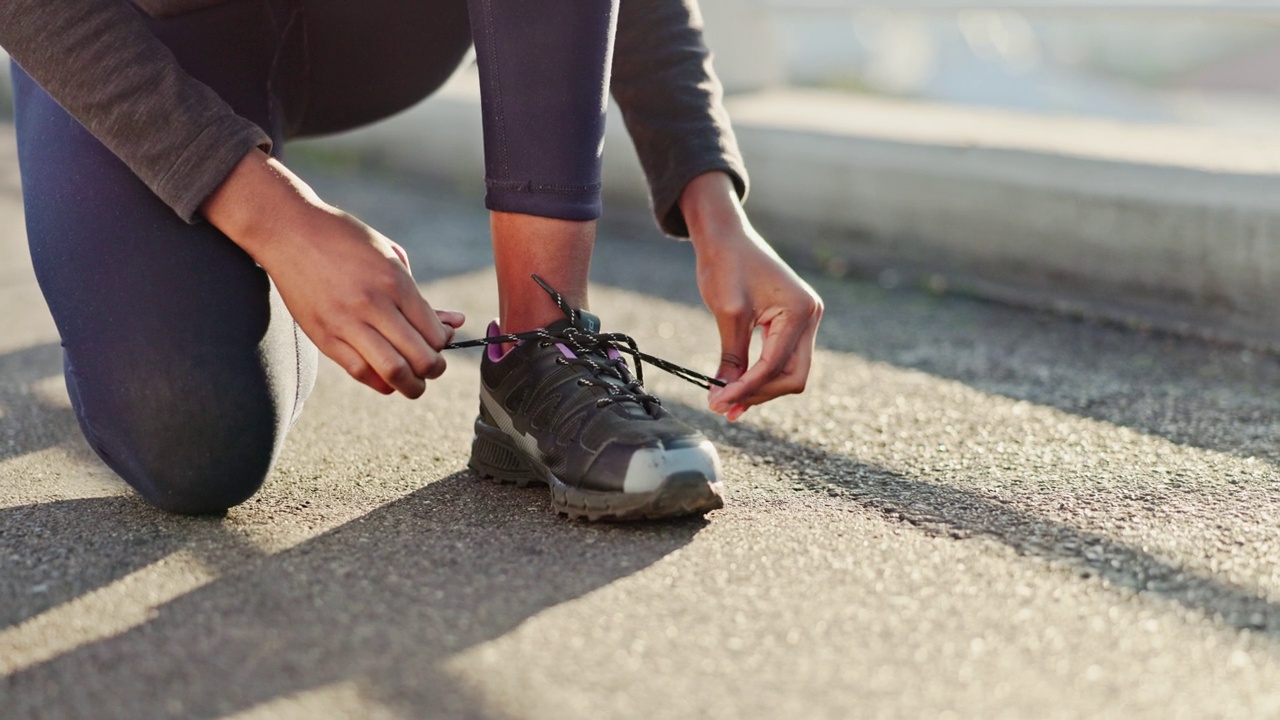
[[557, 250]]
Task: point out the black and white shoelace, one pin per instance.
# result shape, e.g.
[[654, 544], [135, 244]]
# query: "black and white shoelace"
[[592, 351]]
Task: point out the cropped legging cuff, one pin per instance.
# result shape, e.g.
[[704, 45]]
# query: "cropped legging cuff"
[[565, 202], [544, 87]]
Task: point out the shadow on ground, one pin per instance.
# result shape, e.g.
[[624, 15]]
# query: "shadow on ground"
[[381, 601], [28, 422], [51, 553], [960, 514]]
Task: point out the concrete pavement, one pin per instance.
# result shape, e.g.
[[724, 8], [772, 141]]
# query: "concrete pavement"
[[974, 512]]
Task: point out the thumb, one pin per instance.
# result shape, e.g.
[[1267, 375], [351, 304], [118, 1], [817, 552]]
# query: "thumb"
[[452, 318]]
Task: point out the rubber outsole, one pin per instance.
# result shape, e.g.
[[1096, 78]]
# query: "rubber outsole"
[[494, 457]]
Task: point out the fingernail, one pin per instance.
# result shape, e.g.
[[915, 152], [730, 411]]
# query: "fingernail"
[[736, 412]]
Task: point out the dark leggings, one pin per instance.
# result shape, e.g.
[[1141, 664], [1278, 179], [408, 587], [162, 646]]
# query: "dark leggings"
[[183, 365]]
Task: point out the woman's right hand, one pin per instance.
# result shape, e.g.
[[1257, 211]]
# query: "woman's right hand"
[[347, 286]]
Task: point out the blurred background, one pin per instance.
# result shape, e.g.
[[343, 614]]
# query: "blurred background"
[[1214, 63], [1110, 159]]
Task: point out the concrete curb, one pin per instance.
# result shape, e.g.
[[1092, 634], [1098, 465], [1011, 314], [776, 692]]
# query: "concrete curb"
[[1173, 227]]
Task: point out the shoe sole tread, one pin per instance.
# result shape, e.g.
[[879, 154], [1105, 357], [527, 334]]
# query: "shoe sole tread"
[[492, 458]]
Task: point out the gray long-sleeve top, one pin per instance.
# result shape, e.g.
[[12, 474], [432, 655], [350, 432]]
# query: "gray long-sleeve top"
[[100, 62]]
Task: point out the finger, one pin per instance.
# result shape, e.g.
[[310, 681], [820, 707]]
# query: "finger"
[[423, 360], [452, 318], [425, 320], [781, 335], [735, 349], [389, 321], [795, 373], [386, 361], [351, 361]]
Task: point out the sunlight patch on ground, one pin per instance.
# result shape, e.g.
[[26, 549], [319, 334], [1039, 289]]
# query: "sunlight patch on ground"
[[109, 611], [52, 390], [57, 473], [337, 700]]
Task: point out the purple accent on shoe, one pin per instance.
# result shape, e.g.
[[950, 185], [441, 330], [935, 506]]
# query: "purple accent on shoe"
[[495, 351], [567, 352], [613, 354]]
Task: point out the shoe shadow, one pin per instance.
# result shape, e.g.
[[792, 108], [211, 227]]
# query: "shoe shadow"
[[382, 601], [959, 514]]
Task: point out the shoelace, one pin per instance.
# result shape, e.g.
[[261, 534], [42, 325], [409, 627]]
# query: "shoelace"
[[592, 350]]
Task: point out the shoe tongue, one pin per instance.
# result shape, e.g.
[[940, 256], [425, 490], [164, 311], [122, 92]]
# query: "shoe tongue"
[[587, 322], [559, 326]]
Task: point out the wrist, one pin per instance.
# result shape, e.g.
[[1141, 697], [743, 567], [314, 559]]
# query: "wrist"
[[711, 208], [258, 202]]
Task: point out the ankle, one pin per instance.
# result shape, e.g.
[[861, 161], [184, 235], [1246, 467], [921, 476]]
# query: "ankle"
[[523, 318], [559, 251]]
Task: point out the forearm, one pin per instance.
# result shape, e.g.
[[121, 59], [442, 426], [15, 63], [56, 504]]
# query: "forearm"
[[672, 103], [98, 59], [713, 212]]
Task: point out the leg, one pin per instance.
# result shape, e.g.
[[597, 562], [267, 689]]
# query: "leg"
[[544, 71], [184, 367], [565, 409], [558, 251]]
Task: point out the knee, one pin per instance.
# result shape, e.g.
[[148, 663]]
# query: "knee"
[[200, 485], [201, 462]]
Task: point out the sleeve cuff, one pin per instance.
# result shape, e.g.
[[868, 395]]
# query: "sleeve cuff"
[[666, 194], [206, 162]]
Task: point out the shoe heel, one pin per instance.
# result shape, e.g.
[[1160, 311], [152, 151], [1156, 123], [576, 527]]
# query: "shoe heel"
[[493, 459]]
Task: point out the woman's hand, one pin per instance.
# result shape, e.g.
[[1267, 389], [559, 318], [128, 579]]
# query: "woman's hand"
[[746, 285], [347, 286]]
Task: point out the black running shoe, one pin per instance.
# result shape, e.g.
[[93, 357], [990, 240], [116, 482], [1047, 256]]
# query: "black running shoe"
[[562, 408]]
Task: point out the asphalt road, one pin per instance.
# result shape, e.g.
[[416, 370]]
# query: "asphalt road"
[[974, 512]]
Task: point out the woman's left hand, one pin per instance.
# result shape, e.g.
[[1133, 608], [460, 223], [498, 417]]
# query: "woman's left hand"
[[747, 286]]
